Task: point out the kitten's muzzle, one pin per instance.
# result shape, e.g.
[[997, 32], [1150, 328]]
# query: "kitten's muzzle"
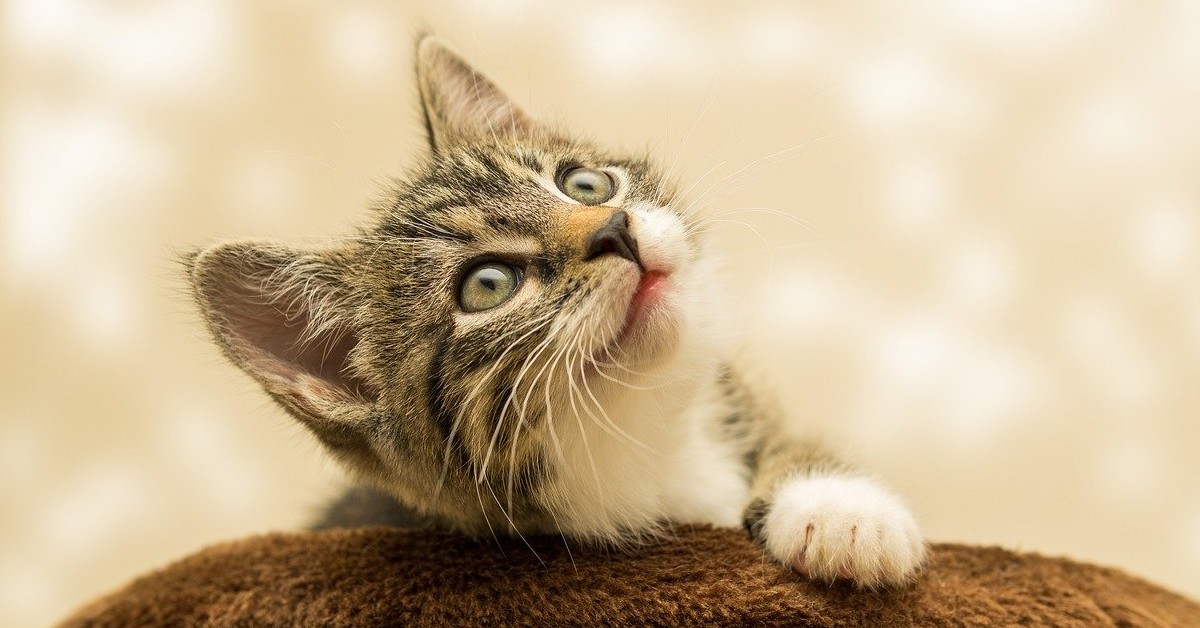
[[614, 238]]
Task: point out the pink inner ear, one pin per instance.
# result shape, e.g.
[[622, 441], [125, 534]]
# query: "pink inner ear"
[[283, 344], [292, 350]]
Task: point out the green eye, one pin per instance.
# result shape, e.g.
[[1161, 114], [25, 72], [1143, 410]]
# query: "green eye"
[[590, 187], [488, 285]]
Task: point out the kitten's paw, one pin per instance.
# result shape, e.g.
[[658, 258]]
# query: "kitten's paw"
[[842, 527]]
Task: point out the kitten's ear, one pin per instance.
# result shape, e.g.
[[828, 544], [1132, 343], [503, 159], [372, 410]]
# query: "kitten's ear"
[[282, 316], [460, 103]]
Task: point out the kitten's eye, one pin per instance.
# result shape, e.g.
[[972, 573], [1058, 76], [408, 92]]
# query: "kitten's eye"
[[590, 187], [488, 285]]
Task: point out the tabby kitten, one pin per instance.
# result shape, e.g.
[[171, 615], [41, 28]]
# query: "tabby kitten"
[[527, 340]]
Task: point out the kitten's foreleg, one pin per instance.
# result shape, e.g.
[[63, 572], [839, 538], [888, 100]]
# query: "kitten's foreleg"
[[824, 520]]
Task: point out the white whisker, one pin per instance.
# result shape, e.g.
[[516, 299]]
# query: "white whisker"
[[511, 524]]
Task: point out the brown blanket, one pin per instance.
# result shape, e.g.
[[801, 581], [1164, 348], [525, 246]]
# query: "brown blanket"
[[379, 576]]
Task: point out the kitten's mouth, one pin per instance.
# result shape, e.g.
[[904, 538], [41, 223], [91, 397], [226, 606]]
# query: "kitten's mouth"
[[647, 325], [649, 293]]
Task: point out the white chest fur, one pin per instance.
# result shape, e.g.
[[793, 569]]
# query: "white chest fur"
[[666, 463]]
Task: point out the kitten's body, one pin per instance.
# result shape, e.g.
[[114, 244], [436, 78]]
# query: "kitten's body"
[[529, 341]]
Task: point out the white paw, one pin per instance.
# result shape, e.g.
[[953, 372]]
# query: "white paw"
[[844, 527]]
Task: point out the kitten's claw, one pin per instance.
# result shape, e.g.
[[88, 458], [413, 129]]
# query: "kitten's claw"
[[843, 527]]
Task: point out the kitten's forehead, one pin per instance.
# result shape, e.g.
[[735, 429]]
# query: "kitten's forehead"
[[503, 188]]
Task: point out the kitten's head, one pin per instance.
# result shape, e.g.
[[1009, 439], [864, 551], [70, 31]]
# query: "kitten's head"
[[513, 286]]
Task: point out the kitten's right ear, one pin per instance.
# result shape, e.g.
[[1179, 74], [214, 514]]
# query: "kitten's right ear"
[[459, 103], [283, 316]]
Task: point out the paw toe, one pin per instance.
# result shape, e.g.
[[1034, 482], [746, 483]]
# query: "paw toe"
[[844, 528]]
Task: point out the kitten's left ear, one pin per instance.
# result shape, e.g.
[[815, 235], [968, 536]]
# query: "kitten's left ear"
[[282, 316], [459, 103]]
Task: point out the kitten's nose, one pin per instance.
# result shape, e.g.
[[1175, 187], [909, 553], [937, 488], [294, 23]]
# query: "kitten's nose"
[[614, 238]]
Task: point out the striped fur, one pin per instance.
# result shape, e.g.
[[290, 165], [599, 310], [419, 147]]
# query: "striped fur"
[[545, 414]]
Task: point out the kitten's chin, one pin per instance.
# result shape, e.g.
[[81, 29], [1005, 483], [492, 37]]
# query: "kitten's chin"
[[653, 327]]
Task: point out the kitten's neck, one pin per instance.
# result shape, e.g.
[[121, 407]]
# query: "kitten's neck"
[[653, 454]]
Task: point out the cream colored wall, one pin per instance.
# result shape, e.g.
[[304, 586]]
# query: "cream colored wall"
[[976, 263]]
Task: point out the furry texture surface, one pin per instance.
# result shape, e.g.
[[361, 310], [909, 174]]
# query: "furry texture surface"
[[702, 576]]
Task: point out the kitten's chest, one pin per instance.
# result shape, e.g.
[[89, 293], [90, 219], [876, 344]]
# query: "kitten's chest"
[[665, 463]]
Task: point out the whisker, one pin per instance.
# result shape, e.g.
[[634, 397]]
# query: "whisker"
[[587, 388], [512, 524], [691, 187], [534, 326], [745, 170], [566, 545], [529, 360], [678, 152], [800, 222], [571, 392], [549, 417], [759, 234], [488, 521]]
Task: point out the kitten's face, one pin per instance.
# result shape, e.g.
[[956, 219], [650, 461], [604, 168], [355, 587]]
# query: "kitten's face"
[[511, 288], [485, 253]]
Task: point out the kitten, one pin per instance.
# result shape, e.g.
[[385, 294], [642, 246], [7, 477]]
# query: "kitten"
[[526, 340]]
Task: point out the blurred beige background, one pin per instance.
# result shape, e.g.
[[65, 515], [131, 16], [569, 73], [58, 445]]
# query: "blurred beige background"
[[962, 236]]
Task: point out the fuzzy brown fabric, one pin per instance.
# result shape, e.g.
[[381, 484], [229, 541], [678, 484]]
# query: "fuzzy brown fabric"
[[380, 576]]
